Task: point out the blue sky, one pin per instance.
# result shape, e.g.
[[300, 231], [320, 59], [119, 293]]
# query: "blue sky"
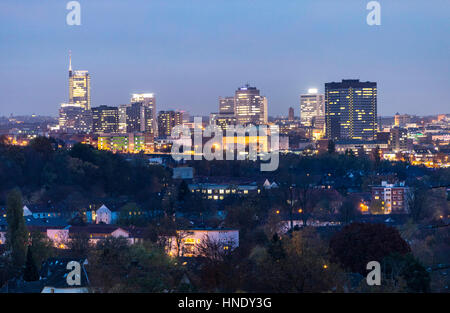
[[190, 52]]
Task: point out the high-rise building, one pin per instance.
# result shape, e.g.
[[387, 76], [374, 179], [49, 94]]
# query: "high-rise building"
[[122, 113], [135, 117], [74, 119], [79, 87], [76, 116], [226, 105], [351, 110], [167, 120], [139, 115], [312, 106], [105, 119], [291, 114], [249, 106], [142, 115]]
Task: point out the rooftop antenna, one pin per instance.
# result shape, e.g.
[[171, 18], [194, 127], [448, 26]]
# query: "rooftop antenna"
[[70, 61]]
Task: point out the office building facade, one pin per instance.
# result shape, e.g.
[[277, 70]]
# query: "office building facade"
[[226, 105], [105, 119], [74, 119], [167, 120], [351, 110], [249, 106], [79, 87], [312, 107], [141, 114]]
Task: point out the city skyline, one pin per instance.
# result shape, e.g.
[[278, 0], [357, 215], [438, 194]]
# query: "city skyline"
[[210, 48]]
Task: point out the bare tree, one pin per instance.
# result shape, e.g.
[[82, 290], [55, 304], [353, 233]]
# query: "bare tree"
[[179, 237], [213, 249]]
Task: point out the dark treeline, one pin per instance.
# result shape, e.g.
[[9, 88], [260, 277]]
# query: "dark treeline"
[[46, 173]]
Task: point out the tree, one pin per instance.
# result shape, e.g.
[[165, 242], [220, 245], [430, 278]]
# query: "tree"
[[41, 246], [116, 266], [3, 140], [17, 235], [376, 154], [306, 195], [83, 152], [348, 211], [129, 215], [215, 257], [409, 269], [357, 244], [78, 220], [361, 152], [179, 237], [295, 264], [331, 147], [79, 244], [243, 216], [427, 204], [30, 272], [183, 190], [108, 263], [275, 248], [42, 145]]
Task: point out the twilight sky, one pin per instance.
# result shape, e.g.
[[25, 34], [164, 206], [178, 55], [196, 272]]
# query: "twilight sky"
[[190, 52]]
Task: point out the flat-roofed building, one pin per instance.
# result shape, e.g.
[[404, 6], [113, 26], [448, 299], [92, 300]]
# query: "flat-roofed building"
[[249, 106], [351, 110], [105, 119], [394, 198], [312, 107]]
